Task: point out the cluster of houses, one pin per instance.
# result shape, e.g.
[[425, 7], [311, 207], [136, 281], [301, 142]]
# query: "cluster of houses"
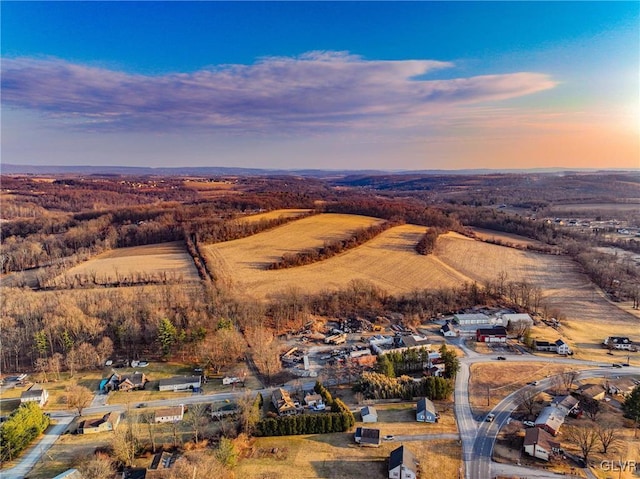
[[540, 440], [402, 462], [484, 327], [138, 380], [285, 406]]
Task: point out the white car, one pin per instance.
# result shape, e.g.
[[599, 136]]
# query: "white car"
[[490, 417], [528, 423]]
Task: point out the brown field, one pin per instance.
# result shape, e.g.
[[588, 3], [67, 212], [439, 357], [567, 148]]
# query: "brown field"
[[270, 215], [388, 261], [212, 189], [399, 419], [515, 240], [336, 456], [595, 206], [492, 375], [565, 289], [170, 259]]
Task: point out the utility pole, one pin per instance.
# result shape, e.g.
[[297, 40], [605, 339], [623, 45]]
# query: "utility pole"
[[488, 396]]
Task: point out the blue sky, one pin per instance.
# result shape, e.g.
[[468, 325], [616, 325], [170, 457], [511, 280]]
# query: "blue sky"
[[391, 85]]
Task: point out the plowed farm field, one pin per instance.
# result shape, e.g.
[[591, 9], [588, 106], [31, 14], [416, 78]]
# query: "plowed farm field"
[[137, 262], [271, 215], [390, 262]]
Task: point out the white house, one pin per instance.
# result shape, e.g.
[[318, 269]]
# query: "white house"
[[369, 414], [180, 383], [170, 414], [448, 331], [618, 342], [35, 393], [562, 347], [403, 464], [539, 443]]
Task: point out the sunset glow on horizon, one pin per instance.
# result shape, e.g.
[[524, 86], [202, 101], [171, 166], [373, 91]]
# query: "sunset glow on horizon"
[[330, 85]]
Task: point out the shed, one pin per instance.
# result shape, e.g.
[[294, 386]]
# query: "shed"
[[369, 414]]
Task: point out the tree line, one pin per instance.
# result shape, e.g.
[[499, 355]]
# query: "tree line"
[[333, 247], [380, 386]]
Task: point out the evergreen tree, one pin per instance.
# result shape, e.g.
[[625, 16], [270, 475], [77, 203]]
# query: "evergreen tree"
[[167, 336], [631, 405]]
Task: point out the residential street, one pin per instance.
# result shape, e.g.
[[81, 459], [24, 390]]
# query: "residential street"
[[477, 436]]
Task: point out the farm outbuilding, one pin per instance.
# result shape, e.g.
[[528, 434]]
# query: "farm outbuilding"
[[180, 383], [492, 335], [369, 414]]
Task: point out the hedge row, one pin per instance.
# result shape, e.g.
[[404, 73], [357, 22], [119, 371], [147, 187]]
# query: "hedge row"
[[338, 420]]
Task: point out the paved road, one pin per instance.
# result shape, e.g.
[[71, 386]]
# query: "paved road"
[[477, 457], [477, 436], [33, 454]]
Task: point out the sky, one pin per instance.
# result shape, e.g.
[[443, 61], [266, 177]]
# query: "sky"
[[323, 85]]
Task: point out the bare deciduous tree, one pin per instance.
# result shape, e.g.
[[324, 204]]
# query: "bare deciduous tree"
[[78, 397], [586, 438], [526, 398], [100, 466], [609, 434], [197, 418], [568, 378]]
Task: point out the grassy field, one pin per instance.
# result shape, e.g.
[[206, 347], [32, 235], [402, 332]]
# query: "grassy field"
[[271, 215], [336, 456], [515, 240], [563, 286], [170, 259], [492, 376], [388, 261]]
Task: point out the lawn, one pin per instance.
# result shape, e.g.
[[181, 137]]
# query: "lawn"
[[502, 379], [336, 456]]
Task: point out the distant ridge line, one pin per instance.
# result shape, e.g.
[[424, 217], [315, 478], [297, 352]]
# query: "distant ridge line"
[[12, 169]]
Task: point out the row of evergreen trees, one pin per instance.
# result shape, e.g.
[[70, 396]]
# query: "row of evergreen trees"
[[25, 424], [379, 386], [338, 420]]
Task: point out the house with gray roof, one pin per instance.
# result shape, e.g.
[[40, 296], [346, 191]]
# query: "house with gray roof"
[[403, 464], [426, 411]]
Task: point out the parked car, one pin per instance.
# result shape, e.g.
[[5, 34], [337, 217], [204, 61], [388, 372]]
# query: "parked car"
[[528, 423], [616, 365], [501, 358], [388, 437], [490, 417], [534, 383]]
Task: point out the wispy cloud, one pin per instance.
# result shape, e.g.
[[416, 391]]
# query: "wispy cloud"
[[317, 90]]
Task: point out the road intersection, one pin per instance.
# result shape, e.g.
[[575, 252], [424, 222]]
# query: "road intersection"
[[476, 435]]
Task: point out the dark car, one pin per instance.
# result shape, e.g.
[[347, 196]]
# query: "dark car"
[[501, 358], [616, 365]]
